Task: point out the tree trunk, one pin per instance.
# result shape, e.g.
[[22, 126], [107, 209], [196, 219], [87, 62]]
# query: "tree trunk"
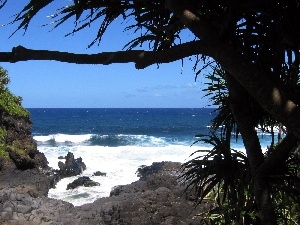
[[244, 119], [270, 96]]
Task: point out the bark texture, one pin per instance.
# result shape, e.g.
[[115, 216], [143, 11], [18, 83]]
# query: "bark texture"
[[244, 119], [261, 87]]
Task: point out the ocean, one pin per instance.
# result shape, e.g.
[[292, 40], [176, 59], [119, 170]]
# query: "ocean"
[[117, 142]]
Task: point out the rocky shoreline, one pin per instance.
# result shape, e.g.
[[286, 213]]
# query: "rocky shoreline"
[[156, 198]]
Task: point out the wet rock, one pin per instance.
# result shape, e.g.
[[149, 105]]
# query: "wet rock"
[[98, 173], [162, 167], [71, 167], [157, 198], [82, 181]]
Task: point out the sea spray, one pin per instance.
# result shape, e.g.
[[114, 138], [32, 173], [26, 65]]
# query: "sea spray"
[[119, 163], [118, 141]]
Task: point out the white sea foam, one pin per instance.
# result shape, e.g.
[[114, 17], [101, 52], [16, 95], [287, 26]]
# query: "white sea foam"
[[120, 164], [61, 138]]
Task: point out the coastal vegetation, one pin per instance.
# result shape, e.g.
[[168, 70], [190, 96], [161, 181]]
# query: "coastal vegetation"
[[3, 154], [251, 50], [8, 101], [15, 138], [223, 174]]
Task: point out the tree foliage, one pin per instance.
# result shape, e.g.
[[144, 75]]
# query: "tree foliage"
[[8, 101], [224, 175], [253, 50], [10, 105]]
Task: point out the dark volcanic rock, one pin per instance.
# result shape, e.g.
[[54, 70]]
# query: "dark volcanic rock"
[[82, 181], [157, 198], [17, 208], [34, 182], [163, 167], [98, 173], [23, 167], [22, 162], [72, 167], [21, 147]]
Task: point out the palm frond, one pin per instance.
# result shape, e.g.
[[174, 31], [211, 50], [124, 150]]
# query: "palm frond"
[[2, 3], [28, 12]]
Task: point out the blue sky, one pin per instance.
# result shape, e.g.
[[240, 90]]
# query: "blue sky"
[[54, 84]]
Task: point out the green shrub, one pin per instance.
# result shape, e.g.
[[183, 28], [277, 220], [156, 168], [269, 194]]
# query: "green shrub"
[[8, 101], [12, 104], [3, 154]]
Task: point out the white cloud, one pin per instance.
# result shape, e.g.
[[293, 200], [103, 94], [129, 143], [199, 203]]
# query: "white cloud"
[[189, 85]]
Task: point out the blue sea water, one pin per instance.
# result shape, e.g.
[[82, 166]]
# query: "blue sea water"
[[117, 142], [121, 127]]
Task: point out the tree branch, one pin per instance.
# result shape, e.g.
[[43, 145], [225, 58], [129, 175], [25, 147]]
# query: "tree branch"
[[142, 59], [261, 87], [185, 11], [279, 155]]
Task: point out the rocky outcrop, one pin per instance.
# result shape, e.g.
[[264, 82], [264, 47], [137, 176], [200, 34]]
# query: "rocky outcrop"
[[82, 181], [25, 179], [17, 142], [157, 198], [33, 182], [22, 166], [20, 208], [71, 167], [98, 173]]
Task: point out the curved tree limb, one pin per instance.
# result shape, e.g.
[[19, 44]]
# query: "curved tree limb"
[[262, 88], [141, 58]]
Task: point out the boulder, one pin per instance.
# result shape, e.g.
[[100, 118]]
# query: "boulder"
[[82, 181], [98, 173], [162, 167], [72, 166]]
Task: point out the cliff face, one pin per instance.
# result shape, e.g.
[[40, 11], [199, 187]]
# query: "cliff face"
[[18, 149], [22, 166]]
